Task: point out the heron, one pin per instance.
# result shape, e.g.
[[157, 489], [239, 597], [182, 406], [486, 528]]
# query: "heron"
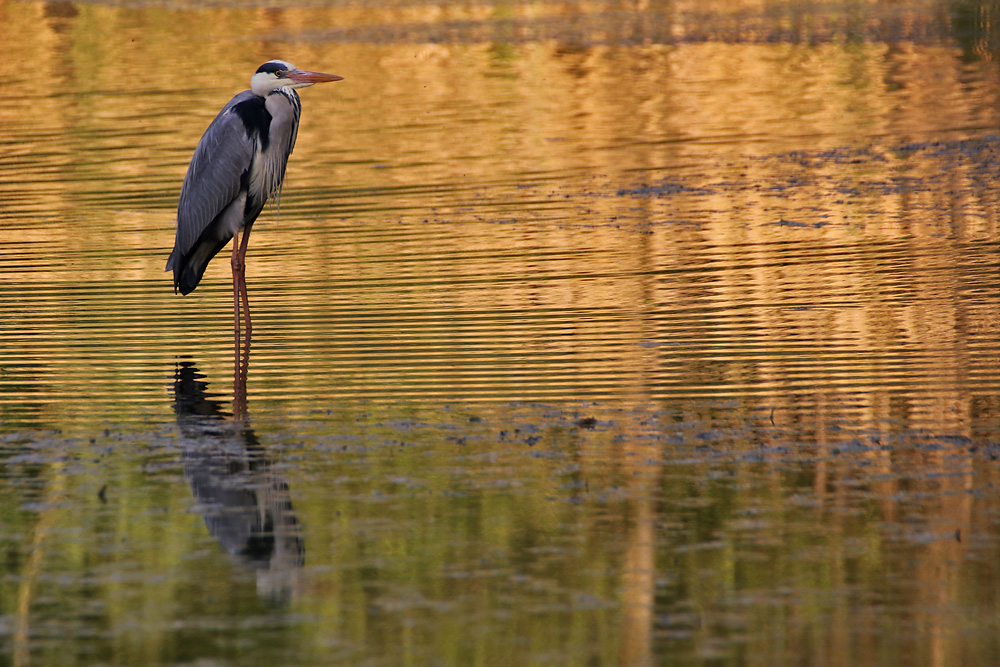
[[238, 165]]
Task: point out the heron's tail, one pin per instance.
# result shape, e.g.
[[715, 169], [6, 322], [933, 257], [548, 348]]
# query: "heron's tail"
[[188, 269]]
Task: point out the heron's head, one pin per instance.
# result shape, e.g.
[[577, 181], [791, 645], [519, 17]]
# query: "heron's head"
[[275, 74]]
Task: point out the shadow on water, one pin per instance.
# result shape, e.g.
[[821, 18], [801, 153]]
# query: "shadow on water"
[[244, 501]]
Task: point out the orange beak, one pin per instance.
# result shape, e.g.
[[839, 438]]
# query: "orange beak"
[[305, 76]]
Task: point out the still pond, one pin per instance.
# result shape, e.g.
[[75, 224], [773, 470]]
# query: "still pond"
[[586, 333]]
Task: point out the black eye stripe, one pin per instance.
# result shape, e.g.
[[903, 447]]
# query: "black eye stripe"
[[273, 68]]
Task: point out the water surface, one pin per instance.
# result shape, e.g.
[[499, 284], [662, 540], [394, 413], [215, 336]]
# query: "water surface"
[[585, 333]]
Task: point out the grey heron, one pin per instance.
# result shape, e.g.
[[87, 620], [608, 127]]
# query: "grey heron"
[[238, 165]]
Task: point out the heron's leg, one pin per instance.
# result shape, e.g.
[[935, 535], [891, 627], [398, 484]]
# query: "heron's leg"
[[236, 292], [243, 277], [241, 365], [237, 270]]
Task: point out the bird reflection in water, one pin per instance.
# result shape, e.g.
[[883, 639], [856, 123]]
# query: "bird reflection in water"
[[244, 501]]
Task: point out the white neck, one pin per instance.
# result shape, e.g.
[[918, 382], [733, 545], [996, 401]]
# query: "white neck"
[[264, 84]]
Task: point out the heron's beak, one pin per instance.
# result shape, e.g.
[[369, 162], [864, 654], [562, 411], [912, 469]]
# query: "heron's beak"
[[307, 78]]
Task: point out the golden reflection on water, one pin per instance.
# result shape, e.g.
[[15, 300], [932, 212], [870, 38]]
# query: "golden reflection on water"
[[492, 219], [566, 282]]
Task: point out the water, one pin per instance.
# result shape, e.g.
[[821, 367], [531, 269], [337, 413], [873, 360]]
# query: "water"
[[594, 333]]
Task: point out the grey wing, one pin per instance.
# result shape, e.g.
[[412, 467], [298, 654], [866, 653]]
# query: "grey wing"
[[213, 178]]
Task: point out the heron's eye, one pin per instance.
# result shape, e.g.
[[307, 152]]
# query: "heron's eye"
[[280, 73]]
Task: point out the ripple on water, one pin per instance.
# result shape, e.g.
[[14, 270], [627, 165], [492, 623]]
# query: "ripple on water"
[[481, 311]]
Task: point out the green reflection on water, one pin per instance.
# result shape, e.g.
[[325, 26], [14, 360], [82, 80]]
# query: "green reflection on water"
[[522, 532]]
